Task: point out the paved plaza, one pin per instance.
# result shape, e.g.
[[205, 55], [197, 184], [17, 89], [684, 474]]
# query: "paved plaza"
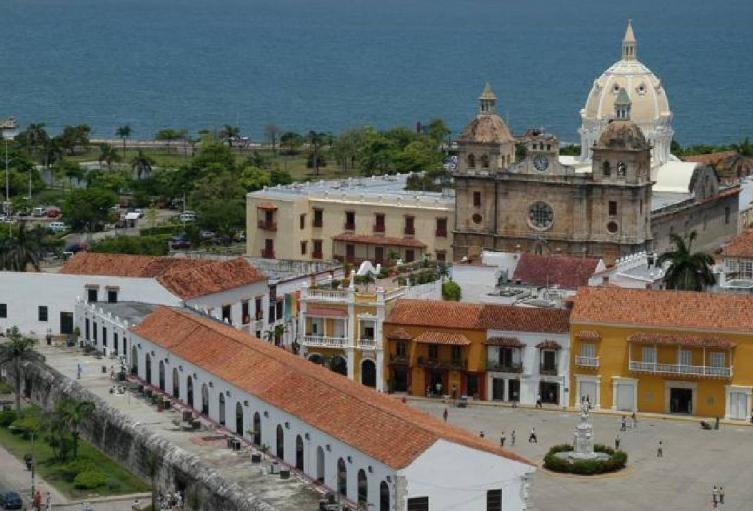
[[694, 459]]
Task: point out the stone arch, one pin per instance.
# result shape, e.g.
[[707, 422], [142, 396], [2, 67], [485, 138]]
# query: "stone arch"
[[148, 368], [363, 488], [342, 478], [189, 391], [339, 365], [384, 496], [176, 383], [280, 443], [205, 399], [222, 408], [320, 464], [299, 452], [368, 372], [257, 429], [239, 418], [162, 375]]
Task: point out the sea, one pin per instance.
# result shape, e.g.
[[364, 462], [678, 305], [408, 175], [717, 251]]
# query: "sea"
[[330, 65]]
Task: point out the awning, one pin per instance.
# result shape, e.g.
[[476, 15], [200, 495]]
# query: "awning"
[[506, 342], [549, 345], [321, 310], [588, 335], [266, 205], [399, 334], [683, 340], [445, 338]]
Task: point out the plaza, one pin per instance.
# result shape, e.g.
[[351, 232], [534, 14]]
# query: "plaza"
[[694, 459]]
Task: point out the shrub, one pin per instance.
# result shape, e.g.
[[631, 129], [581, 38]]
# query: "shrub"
[[89, 479], [7, 418], [451, 291], [71, 470], [617, 461], [25, 424]]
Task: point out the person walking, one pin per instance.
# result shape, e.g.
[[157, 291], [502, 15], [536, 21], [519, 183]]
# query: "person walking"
[[37, 501], [715, 496], [445, 414], [635, 420], [502, 440], [512, 437], [78, 371], [48, 503], [538, 401], [617, 443], [623, 424], [532, 439], [660, 450], [721, 494]]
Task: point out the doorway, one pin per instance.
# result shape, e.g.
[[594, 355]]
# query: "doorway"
[[738, 405], [472, 387], [550, 392], [681, 400], [513, 390], [368, 373], [400, 379], [66, 323], [498, 389]]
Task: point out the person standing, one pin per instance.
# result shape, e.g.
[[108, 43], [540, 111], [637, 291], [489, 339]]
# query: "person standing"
[[481, 434], [635, 420], [532, 439], [48, 504], [721, 494], [660, 450], [502, 440], [445, 414], [623, 424], [538, 401], [715, 496], [617, 443], [512, 437]]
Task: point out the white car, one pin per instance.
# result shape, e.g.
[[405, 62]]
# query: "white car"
[[187, 216], [57, 226]]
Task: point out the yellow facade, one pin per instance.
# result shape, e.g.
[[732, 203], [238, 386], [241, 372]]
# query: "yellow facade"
[[671, 370]]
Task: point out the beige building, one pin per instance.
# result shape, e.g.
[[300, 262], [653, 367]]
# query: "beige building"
[[350, 220]]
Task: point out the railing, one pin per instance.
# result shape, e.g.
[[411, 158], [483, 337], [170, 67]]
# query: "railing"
[[324, 341], [367, 344], [399, 359], [329, 295], [267, 225], [267, 254], [548, 371], [495, 365], [434, 363], [586, 361], [378, 227], [441, 233], [654, 367]]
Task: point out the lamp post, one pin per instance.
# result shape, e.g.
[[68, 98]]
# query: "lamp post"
[[8, 130]]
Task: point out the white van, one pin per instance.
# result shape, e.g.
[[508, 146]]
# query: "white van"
[[187, 216], [57, 226]]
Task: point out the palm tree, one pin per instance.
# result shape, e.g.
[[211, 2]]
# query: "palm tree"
[[142, 164], [123, 132], [18, 349], [36, 138], [107, 155], [744, 148], [229, 133], [73, 414], [25, 248], [316, 141], [688, 271]]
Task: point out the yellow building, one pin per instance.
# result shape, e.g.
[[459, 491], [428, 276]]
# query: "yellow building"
[[663, 351], [350, 220]]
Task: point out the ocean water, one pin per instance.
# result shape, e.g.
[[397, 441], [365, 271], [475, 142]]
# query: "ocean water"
[[334, 64]]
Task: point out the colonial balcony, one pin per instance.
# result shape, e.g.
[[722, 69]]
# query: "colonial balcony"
[[434, 363], [680, 369], [399, 360], [501, 367], [409, 230], [366, 344], [266, 225], [350, 226], [327, 295], [441, 233], [317, 254], [548, 371], [322, 341], [586, 361]]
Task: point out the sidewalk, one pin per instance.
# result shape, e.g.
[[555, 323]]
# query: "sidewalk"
[[15, 476]]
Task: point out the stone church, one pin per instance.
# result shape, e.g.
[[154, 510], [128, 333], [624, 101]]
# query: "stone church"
[[624, 194]]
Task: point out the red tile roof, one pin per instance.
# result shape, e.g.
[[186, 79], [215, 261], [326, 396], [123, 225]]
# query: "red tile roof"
[[710, 158], [436, 313], [186, 278], [386, 241], [663, 309], [685, 340], [444, 338], [525, 319], [507, 342], [323, 310], [375, 424], [741, 245], [399, 334], [565, 272]]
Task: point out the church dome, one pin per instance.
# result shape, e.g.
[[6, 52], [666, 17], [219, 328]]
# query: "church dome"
[[650, 106], [487, 127], [623, 134]]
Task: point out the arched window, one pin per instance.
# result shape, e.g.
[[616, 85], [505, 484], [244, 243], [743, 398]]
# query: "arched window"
[[484, 161], [299, 453], [363, 488], [368, 373], [320, 464], [134, 361], [239, 419], [189, 392], [342, 478], [222, 409], [257, 429], [176, 383], [606, 168], [384, 496], [471, 161], [205, 399], [280, 443], [339, 365], [162, 375], [148, 369]]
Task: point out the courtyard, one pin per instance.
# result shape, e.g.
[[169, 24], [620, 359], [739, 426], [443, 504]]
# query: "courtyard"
[[694, 459]]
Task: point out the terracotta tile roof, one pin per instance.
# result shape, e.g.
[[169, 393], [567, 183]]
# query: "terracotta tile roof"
[[710, 158], [741, 245], [668, 309], [386, 241], [685, 340], [549, 345], [323, 310], [445, 338], [507, 342], [565, 272], [588, 335], [266, 205], [399, 334], [207, 279], [126, 265], [375, 424], [436, 313], [525, 319]]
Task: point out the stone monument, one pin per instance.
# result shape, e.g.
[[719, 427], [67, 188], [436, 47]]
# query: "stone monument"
[[583, 448]]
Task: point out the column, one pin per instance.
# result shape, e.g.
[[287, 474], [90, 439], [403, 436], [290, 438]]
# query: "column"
[[380, 370], [350, 330], [378, 340]]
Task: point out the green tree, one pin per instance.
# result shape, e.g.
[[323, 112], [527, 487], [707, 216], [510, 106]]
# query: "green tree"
[[744, 148], [73, 413], [292, 141], [451, 291], [73, 138], [88, 208], [224, 217], [113, 180], [347, 147], [107, 155], [142, 164], [229, 134], [378, 153], [17, 350], [419, 155], [688, 270], [316, 142], [170, 135], [272, 132], [437, 131], [280, 177], [23, 248], [34, 138], [123, 132], [136, 245], [520, 152]]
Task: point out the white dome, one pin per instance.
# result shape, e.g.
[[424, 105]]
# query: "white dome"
[[649, 107]]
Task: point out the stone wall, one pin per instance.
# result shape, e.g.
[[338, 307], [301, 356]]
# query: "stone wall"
[[134, 446]]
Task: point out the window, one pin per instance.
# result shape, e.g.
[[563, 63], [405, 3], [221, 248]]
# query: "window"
[[86, 329], [226, 313], [484, 161], [716, 359], [418, 504], [441, 228], [685, 357], [648, 354], [112, 296], [471, 161], [433, 351], [379, 222], [317, 254], [104, 337], [456, 353], [541, 215], [350, 220], [245, 315], [350, 252], [91, 294], [494, 500], [115, 341], [318, 218], [588, 350], [268, 251], [42, 313], [400, 348], [302, 220], [477, 199], [606, 169], [549, 361], [726, 215], [410, 255], [441, 256], [410, 225], [612, 208], [3, 310], [94, 330], [303, 247], [278, 308], [258, 308]]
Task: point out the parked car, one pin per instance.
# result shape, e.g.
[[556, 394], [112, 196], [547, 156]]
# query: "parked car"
[[12, 500], [207, 235], [39, 211], [57, 227], [187, 216], [75, 248], [53, 212], [178, 242]]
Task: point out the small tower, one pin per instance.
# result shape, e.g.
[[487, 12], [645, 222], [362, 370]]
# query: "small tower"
[[622, 105], [629, 43], [488, 101]]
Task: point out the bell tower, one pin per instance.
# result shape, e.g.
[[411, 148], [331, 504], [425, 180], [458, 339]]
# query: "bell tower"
[[629, 43], [487, 101]]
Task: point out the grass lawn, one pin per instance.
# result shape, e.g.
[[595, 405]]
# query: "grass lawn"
[[119, 480]]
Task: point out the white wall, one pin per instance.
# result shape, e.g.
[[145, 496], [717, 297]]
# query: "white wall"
[[234, 297], [455, 478], [24, 292]]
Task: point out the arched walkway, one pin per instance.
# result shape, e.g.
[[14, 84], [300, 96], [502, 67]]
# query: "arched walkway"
[[205, 399], [134, 360], [176, 383], [222, 409], [189, 392], [339, 365], [384, 496], [363, 488], [280, 451], [316, 358], [342, 478], [239, 419], [257, 429], [368, 373], [148, 369], [320, 464], [162, 375], [299, 452]]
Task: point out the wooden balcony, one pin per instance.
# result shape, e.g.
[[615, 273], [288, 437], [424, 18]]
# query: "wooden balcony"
[[435, 363], [586, 361], [496, 365], [266, 225], [399, 360], [548, 371], [379, 228], [680, 369]]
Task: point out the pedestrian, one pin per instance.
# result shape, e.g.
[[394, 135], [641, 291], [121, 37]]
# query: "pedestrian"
[[78, 371], [502, 440], [635, 420], [660, 450], [512, 437], [617, 443], [481, 434], [715, 496], [623, 424], [538, 401], [721, 494], [439, 388], [48, 505], [532, 439], [454, 391], [445, 414], [37, 501]]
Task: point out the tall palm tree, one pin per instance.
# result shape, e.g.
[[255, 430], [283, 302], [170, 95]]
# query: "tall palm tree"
[[123, 132], [18, 349], [24, 248], [37, 139], [142, 164], [73, 414], [317, 140], [687, 271], [107, 155], [229, 133]]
